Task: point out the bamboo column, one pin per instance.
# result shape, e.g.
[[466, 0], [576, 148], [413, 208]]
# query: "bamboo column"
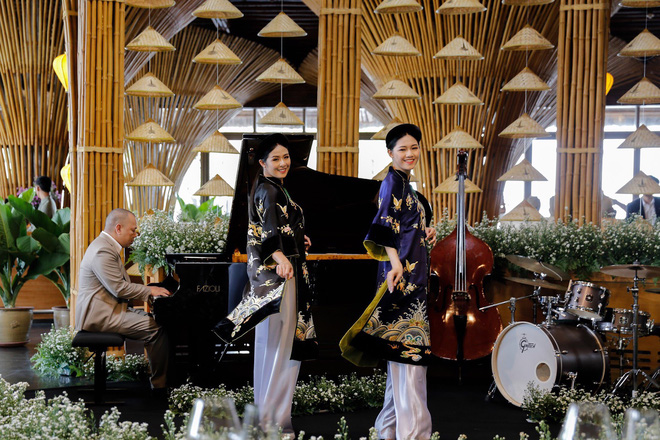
[[97, 156], [339, 87], [429, 77], [33, 133], [582, 63]]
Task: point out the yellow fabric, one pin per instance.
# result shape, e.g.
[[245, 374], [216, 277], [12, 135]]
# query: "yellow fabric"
[[352, 354], [376, 251]]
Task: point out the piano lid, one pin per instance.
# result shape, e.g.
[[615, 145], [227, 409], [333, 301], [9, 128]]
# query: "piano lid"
[[338, 209]]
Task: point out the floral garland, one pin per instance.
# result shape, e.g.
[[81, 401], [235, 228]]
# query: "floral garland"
[[581, 250], [546, 406], [316, 394]]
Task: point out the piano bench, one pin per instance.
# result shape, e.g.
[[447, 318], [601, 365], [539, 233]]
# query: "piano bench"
[[98, 343]]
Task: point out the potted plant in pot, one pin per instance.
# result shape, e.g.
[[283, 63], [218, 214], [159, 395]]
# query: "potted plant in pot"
[[25, 257]]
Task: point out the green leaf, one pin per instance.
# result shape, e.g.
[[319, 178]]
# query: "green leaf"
[[28, 245], [62, 218], [46, 263], [65, 242], [190, 212], [49, 241], [36, 217], [27, 195], [7, 239]]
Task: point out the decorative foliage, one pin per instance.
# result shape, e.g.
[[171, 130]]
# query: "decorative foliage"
[[160, 234], [56, 356], [581, 250], [25, 257], [544, 406], [58, 418], [345, 394]]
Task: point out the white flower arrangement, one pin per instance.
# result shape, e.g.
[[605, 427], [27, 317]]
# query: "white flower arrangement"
[[161, 234], [581, 250]]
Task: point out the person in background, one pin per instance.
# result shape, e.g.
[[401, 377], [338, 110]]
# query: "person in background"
[[105, 289], [47, 205], [647, 206], [535, 202]]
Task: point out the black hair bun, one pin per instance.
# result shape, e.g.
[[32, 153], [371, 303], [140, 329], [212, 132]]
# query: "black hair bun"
[[269, 143], [400, 131]]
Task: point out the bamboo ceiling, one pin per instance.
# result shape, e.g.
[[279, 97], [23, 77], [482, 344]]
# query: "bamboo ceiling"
[[486, 31], [189, 126], [33, 136]]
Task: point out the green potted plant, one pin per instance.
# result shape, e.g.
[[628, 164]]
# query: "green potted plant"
[[25, 257]]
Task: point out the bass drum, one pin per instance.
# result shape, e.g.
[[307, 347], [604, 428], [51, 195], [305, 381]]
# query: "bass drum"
[[546, 356]]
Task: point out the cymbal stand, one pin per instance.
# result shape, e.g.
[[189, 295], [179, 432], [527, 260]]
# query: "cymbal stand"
[[632, 374]]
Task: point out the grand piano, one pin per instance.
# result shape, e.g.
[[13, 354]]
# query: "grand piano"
[[338, 211]]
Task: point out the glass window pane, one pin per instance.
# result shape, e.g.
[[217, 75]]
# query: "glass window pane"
[[311, 116], [544, 159], [617, 171], [373, 158], [242, 122], [620, 118], [368, 123]]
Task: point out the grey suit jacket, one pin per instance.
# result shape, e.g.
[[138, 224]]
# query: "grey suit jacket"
[[104, 288]]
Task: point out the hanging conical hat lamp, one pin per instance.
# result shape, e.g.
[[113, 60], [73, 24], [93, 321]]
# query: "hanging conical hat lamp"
[[458, 94], [524, 172], [641, 138], [150, 176], [150, 4], [280, 115], [525, 81], [460, 7], [458, 138], [640, 184], [382, 134], [523, 212], [150, 131], [217, 99], [450, 186], [645, 44], [281, 72], [217, 53], [397, 7], [381, 175], [396, 46], [216, 143], [149, 86], [458, 49], [640, 3], [215, 187], [221, 9], [526, 2], [524, 127], [396, 89], [282, 26], [149, 41], [527, 39], [644, 92]]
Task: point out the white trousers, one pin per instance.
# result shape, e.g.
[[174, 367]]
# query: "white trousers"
[[275, 374], [405, 415]]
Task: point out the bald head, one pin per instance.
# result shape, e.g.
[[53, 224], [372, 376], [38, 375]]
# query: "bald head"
[[122, 226]]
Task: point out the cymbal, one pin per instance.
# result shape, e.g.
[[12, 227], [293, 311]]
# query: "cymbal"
[[538, 267], [629, 270], [653, 290], [536, 282]]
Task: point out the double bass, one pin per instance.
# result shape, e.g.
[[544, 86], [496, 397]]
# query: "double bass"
[[459, 263]]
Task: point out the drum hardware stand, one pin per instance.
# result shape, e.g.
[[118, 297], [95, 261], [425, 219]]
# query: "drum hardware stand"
[[572, 376], [512, 306], [632, 374]]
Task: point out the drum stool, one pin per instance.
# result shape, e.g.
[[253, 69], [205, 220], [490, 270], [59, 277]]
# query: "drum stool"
[[98, 343]]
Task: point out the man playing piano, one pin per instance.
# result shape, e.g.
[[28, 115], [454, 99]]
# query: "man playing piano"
[[104, 290], [276, 299]]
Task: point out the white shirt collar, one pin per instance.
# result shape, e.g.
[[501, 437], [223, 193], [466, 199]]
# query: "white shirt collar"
[[116, 243]]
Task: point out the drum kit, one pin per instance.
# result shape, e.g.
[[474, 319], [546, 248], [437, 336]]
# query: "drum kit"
[[570, 347]]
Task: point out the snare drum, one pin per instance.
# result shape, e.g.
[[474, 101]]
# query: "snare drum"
[[546, 356], [621, 321], [587, 300]]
